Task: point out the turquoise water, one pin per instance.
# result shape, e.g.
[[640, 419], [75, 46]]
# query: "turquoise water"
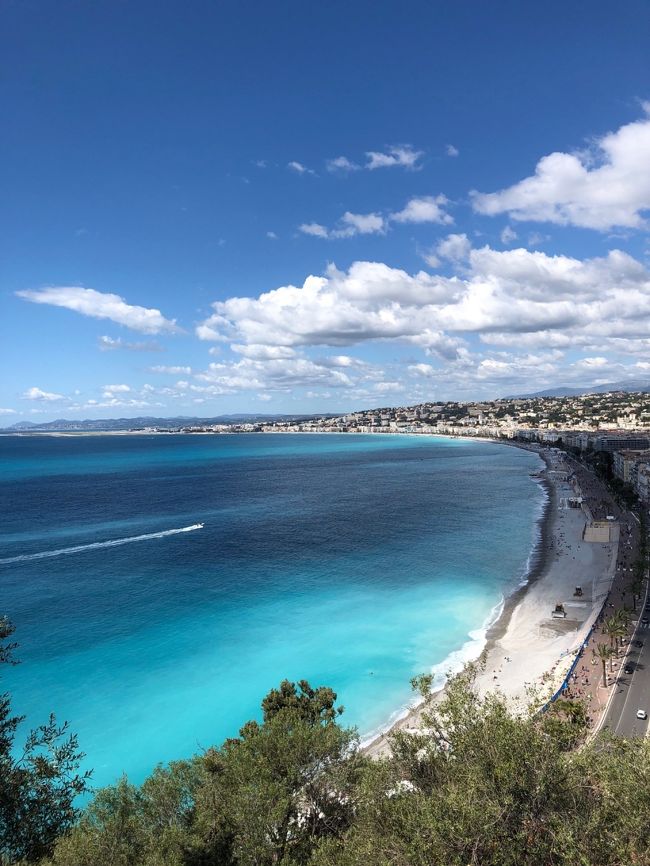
[[352, 561]]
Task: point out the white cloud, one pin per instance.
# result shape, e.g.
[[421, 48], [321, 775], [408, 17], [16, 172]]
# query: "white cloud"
[[425, 209], [455, 248], [349, 225], [45, 396], [272, 236], [537, 238], [299, 168], [508, 235], [371, 301], [425, 370], [387, 387], [281, 374], [8, 412], [402, 155], [606, 187], [431, 259], [359, 224], [263, 353], [172, 370], [314, 229], [342, 361], [508, 298], [101, 305], [420, 209], [108, 344], [451, 150], [342, 163]]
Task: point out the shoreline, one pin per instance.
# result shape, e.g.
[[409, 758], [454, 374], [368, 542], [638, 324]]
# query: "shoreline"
[[523, 647], [484, 642], [537, 560], [495, 624]]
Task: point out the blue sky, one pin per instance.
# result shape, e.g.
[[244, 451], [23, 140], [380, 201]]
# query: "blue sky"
[[263, 207]]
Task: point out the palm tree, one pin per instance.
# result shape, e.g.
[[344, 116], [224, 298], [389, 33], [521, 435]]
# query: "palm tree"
[[604, 652], [572, 711], [612, 628]]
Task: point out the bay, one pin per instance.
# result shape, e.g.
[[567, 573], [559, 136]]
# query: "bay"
[[352, 561]]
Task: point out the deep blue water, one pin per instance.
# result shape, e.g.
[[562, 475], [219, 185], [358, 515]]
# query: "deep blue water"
[[352, 561]]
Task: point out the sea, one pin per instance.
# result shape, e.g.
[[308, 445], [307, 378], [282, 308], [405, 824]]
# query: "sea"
[[161, 585]]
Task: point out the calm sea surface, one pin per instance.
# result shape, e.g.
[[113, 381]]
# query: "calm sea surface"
[[351, 561]]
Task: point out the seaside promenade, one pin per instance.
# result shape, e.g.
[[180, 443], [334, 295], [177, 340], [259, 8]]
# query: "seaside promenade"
[[614, 704]]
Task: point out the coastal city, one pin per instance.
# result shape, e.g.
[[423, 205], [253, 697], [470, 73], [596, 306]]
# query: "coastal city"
[[325, 434], [612, 423]]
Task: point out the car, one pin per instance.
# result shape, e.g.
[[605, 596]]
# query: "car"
[[638, 643], [644, 621], [641, 714], [629, 669]]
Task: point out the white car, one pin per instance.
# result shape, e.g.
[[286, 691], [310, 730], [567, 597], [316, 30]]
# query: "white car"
[[641, 714]]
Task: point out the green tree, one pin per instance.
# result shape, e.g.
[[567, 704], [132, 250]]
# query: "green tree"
[[479, 785], [147, 826], [265, 797], [39, 781], [604, 652], [615, 629], [288, 782]]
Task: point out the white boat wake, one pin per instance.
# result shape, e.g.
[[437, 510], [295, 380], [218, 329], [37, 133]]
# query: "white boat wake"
[[115, 542]]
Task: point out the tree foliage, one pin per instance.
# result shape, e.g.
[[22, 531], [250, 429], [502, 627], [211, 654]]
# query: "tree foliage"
[[268, 796], [478, 784], [39, 780]]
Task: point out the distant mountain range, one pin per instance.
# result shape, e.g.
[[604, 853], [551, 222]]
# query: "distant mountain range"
[[112, 424], [627, 387]]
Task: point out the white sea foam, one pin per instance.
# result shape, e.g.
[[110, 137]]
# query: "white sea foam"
[[451, 665], [535, 552], [96, 545]]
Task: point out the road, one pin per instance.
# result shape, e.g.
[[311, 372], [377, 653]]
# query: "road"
[[633, 689], [632, 692]]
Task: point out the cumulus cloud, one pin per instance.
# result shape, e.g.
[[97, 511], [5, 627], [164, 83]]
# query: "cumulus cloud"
[[451, 150], [454, 248], [425, 209], [425, 370], [299, 168], [544, 305], [101, 305], [349, 225], [342, 164], [359, 224], [263, 353], [420, 209], [370, 301], [400, 155], [605, 187], [281, 374], [316, 230], [40, 395]]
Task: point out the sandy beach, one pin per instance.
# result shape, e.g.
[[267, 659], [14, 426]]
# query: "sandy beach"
[[527, 647]]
